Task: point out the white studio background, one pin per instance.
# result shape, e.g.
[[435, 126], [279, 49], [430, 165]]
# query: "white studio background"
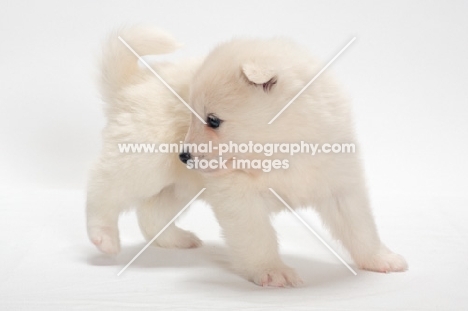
[[407, 75]]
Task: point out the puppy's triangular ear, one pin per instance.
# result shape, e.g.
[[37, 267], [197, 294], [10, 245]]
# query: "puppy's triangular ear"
[[259, 75]]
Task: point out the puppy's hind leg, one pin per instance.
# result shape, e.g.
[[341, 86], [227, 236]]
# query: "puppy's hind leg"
[[350, 220], [157, 211], [102, 220]]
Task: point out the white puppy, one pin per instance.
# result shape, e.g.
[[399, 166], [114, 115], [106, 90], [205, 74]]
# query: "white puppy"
[[238, 89]]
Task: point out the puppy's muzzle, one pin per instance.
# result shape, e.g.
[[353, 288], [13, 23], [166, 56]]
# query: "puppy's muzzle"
[[185, 156]]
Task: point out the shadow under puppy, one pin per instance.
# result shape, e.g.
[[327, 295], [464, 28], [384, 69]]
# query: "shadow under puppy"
[[237, 90]]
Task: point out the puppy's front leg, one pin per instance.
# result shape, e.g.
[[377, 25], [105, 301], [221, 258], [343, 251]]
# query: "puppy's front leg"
[[246, 225], [350, 220]]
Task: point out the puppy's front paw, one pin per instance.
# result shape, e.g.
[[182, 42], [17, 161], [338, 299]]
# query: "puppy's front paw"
[[385, 261], [106, 239], [178, 238], [281, 276]]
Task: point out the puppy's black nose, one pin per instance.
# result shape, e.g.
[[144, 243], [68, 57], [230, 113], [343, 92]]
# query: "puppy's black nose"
[[184, 157]]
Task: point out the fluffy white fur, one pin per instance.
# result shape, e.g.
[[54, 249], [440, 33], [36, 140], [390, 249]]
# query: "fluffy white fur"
[[245, 83], [140, 109]]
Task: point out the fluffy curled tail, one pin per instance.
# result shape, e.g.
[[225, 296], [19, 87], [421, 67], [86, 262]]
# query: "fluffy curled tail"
[[119, 66]]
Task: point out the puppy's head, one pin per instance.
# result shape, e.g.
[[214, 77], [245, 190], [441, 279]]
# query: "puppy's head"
[[239, 88]]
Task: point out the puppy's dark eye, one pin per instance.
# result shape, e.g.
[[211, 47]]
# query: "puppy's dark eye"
[[213, 121]]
